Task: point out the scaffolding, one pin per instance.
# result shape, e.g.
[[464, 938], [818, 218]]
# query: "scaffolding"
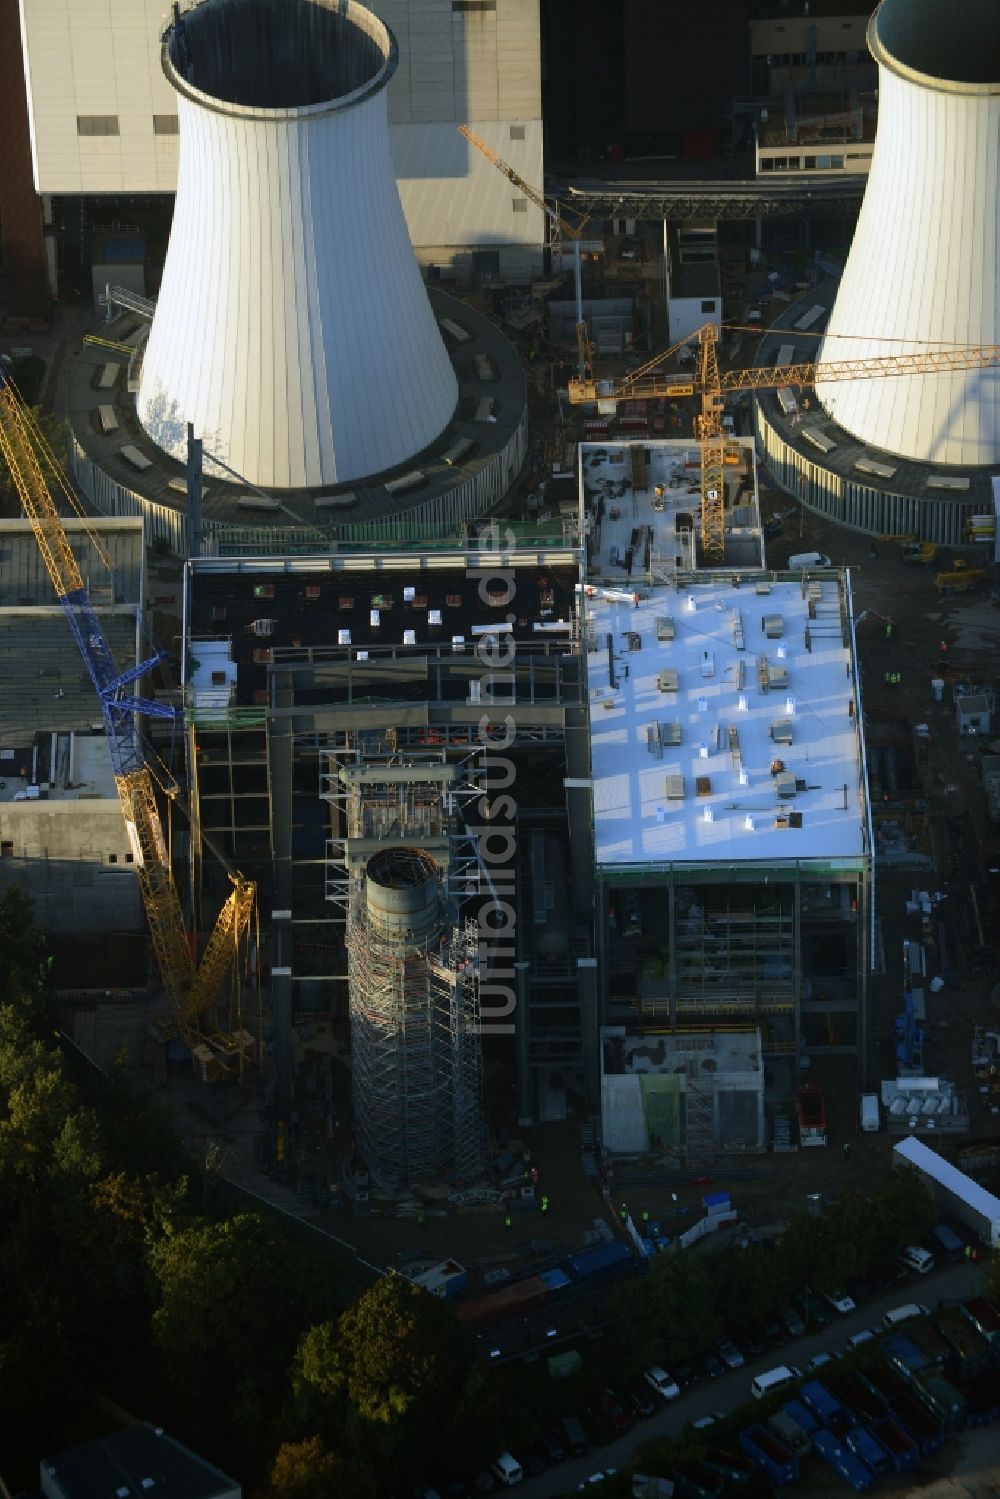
[[414, 999]]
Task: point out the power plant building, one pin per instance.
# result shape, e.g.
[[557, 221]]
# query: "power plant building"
[[103, 120], [731, 833]]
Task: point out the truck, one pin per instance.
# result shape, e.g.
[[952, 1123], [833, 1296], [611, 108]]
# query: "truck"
[[885, 1382], [870, 1116], [792, 1432], [607, 1260], [946, 1243], [828, 1411], [734, 1467], [984, 1318], [904, 1454], [779, 1462], [930, 1341], [811, 1109], [904, 1356], [970, 1350], [866, 1446], [849, 1390], [697, 1481], [920, 1421], [941, 1396], [574, 1436], [833, 1452]]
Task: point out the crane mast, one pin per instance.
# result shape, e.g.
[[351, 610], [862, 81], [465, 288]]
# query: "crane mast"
[[584, 351], [651, 383], [191, 989]]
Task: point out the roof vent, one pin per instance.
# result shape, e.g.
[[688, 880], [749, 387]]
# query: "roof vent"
[[692, 606], [703, 705], [790, 706], [748, 822], [742, 702], [707, 814]]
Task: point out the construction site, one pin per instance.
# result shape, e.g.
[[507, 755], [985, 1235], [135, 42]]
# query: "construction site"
[[573, 772]]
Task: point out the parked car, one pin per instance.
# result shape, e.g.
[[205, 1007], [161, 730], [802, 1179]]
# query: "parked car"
[[841, 1302], [915, 1258], [615, 1412], [659, 1380], [754, 1344], [686, 1374], [775, 1333], [712, 1366], [552, 1447], [818, 1360], [532, 1462], [858, 1339], [794, 1324], [639, 1399], [813, 1308], [703, 1422], [595, 1478], [730, 1354]]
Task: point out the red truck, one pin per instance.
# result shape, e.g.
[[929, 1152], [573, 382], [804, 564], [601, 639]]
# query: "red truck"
[[811, 1107]]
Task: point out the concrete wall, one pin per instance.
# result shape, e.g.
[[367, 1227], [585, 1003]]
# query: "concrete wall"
[[483, 67], [60, 854]]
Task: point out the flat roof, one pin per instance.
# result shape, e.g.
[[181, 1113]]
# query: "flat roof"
[[239, 622], [722, 723], [915, 1153], [626, 1051], [486, 351], [46, 687], [615, 507], [134, 1463]]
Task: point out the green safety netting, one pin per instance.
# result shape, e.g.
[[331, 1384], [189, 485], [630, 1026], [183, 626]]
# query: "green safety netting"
[[661, 1105]]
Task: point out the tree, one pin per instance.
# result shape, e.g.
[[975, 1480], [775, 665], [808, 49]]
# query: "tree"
[[399, 1377], [671, 1312], [306, 1470], [24, 960], [804, 1254], [55, 437], [853, 1236], [234, 1297], [904, 1211], [750, 1291]]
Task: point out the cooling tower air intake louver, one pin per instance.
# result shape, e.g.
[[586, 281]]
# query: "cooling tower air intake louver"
[[922, 273], [292, 326]]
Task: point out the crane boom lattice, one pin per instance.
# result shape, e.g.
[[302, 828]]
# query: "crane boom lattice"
[[191, 989]]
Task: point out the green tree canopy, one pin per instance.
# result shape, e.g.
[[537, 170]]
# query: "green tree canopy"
[[671, 1312], [306, 1470]]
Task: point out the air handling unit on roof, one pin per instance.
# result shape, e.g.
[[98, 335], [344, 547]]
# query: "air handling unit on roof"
[[922, 273], [292, 327]]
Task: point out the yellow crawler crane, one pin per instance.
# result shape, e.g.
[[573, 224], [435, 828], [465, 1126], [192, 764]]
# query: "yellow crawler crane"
[[191, 989]]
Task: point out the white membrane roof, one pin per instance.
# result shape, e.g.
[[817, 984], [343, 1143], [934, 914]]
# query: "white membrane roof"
[[727, 805]]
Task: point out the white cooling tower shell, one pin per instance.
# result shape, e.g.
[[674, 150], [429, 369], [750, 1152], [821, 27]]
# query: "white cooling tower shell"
[[923, 270], [292, 326]]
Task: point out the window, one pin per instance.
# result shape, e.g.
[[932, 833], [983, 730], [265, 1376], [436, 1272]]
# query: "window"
[[460, 5], [520, 205], [165, 125], [708, 306], [112, 858], [97, 125], [129, 858], [517, 132], [7, 849]]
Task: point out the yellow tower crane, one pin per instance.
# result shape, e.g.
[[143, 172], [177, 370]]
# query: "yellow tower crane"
[[650, 383], [191, 989], [573, 232]]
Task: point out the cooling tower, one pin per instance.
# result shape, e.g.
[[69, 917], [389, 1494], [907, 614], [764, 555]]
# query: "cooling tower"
[[923, 266], [292, 326]]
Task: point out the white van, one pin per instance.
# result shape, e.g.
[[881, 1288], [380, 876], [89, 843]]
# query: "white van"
[[870, 1117], [807, 559], [915, 1258], [900, 1314], [774, 1379], [507, 1469]]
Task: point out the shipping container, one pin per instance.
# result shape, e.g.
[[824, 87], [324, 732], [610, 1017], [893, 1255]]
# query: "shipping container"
[[857, 1397], [732, 1466], [606, 1260], [928, 1339], [791, 1432], [941, 1396], [866, 1446], [904, 1454], [779, 1462], [904, 1356], [827, 1410], [984, 1318], [514, 1300], [696, 1481], [833, 1452], [955, 1193], [970, 1350], [924, 1427]]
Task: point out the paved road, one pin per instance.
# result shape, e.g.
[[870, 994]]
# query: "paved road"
[[733, 1390]]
